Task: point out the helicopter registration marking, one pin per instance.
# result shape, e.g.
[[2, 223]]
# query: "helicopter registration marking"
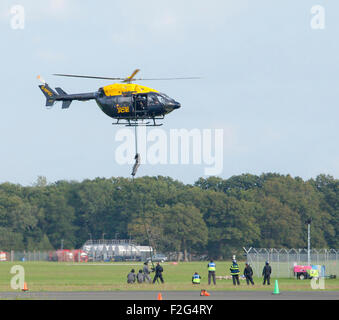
[[123, 109], [47, 91]]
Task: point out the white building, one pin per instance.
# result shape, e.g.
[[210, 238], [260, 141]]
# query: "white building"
[[99, 250]]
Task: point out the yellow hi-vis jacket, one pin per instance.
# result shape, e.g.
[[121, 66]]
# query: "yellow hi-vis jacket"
[[211, 266], [314, 273], [196, 279], [234, 270]]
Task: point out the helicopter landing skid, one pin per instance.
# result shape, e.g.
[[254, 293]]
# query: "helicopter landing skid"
[[143, 125], [133, 123]]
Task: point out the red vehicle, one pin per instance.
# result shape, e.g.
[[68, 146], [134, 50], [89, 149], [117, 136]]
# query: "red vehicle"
[[65, 255], [80, 256], [3, 256], [302, 272], [68, 256]]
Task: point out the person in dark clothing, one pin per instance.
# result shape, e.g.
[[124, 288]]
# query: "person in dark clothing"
[[158, 273], [235, 273], [146, 272], [248, 273], [140, 277], [266, 272], [131, 277], [136, 165]]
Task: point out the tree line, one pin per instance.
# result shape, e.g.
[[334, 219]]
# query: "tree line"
[[214, 216]]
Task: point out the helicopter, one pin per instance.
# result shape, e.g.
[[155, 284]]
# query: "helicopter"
[[127, 102]]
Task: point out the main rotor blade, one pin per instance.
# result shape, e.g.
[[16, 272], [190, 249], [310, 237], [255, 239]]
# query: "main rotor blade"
[[87, 77], [183, 78], [128, 80]]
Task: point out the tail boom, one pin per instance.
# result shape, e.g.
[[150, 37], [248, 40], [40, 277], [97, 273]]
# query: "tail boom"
[[61, 95]]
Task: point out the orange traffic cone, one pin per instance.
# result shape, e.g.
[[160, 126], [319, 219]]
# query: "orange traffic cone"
[[159, 296], [25, 288], [203, 292]]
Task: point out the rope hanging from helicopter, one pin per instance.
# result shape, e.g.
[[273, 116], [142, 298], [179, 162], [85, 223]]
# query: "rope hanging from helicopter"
[[137, 155]]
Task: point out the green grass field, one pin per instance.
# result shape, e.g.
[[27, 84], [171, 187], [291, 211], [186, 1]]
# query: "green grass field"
[[54, 276]]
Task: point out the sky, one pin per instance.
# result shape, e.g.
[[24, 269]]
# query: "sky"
[[269, 80]]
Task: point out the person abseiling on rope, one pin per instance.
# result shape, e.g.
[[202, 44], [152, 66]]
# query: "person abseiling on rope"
[[136, 165]]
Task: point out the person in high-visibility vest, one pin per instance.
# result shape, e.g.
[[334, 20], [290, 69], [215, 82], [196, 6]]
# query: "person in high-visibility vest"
[[235, 273], [314, 273], [211, 272], [196, 278]]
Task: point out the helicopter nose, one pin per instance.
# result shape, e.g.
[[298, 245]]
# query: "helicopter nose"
[[172, 106]]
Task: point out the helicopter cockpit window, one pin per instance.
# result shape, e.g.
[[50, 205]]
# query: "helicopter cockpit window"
[[152, 100], [164, 99]]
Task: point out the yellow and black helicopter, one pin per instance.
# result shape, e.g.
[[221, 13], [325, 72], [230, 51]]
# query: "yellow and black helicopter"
[[126, 102], [130, 104]]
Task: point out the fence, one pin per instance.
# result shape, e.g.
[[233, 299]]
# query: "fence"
[[25, 256], [282, 261], [58, 255], [89, 253]]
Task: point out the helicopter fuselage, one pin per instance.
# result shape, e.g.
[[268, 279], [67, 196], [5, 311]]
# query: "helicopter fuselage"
[[132, 101], [119, 101]]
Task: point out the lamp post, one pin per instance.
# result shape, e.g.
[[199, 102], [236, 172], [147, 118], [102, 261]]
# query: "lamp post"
[[308, 222]]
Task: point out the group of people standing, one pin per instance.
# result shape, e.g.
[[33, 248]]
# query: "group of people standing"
[[235, 272], [144, 274]]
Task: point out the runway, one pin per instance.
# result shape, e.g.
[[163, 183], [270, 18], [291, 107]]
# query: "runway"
[[172, 295]]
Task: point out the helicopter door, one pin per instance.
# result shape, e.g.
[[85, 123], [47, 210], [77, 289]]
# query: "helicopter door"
[[124, 105], [141, 102]]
